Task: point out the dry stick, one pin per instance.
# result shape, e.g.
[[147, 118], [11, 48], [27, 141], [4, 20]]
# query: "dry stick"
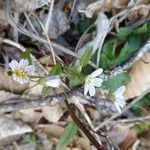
[[21, 104], [83, 127], [40, 39], [124, 110], [135, 119], [46, 29]]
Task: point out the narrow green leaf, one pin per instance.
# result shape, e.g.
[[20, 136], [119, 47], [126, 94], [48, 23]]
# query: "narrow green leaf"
[[124, 32], [86, 57], [117, 81], [145, 28], [67, 136], [26, 55]]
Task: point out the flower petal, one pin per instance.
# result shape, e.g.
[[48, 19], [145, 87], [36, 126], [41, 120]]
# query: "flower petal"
[[97, 82], [117, 107], [120, 90], [13, 64], [53, 81], [96, 73], [121, 102], [19, 80], [86, 89], [30, 69], [23, 63], [92, 90]]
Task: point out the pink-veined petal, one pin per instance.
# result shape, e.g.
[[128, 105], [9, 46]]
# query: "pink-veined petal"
[[53, 81], [19, 80], [97, 82], [23, 63], [92, 90], [121, 102], [117, 107], [86, 89], [120, 90], [13, 64], [96, 73], [30, 69]]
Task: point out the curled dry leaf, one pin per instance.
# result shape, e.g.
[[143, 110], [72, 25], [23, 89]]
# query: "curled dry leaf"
[[102, 25], [11, 130], [107, 5], [130, 140], [119, 133], [52, 113], [140, 78]]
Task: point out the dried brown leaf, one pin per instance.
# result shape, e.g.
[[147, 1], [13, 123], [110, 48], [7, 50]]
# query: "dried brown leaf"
[[140, 78]]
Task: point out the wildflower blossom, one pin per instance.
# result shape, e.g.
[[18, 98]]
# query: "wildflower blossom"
[[119, 99], [21, 71], [53, 81], [93, 81]]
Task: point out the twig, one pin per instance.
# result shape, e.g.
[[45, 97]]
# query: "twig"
[[24, 31], [49, 16], [135, 119], [83, 127], [25, 103], [124, 110], [7, 41], [15, 35]]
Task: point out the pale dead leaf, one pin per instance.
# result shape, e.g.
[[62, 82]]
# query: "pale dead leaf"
[[52, 113], [58, 23], [35, 89], [130, 140], [28, 5], [140, 78], [119, 133], [10, 128], [7, 95], [27, 115]]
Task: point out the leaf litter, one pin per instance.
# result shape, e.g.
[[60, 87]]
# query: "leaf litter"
[[116, 32]]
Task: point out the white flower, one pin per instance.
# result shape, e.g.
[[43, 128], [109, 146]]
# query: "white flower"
[[93, 81], [21, 70], [119, 99], [53, 81]]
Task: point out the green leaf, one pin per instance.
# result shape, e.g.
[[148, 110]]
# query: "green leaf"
[[117, 81], [33, 137], [46, 89], [75, 81], [145, 28], [85, 24], [67, 136], [109, 59], [124, 32], [75, 69], [129, 49], [141, 126], [86, 57], [142, 107], [56, 70], [27, 55]]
